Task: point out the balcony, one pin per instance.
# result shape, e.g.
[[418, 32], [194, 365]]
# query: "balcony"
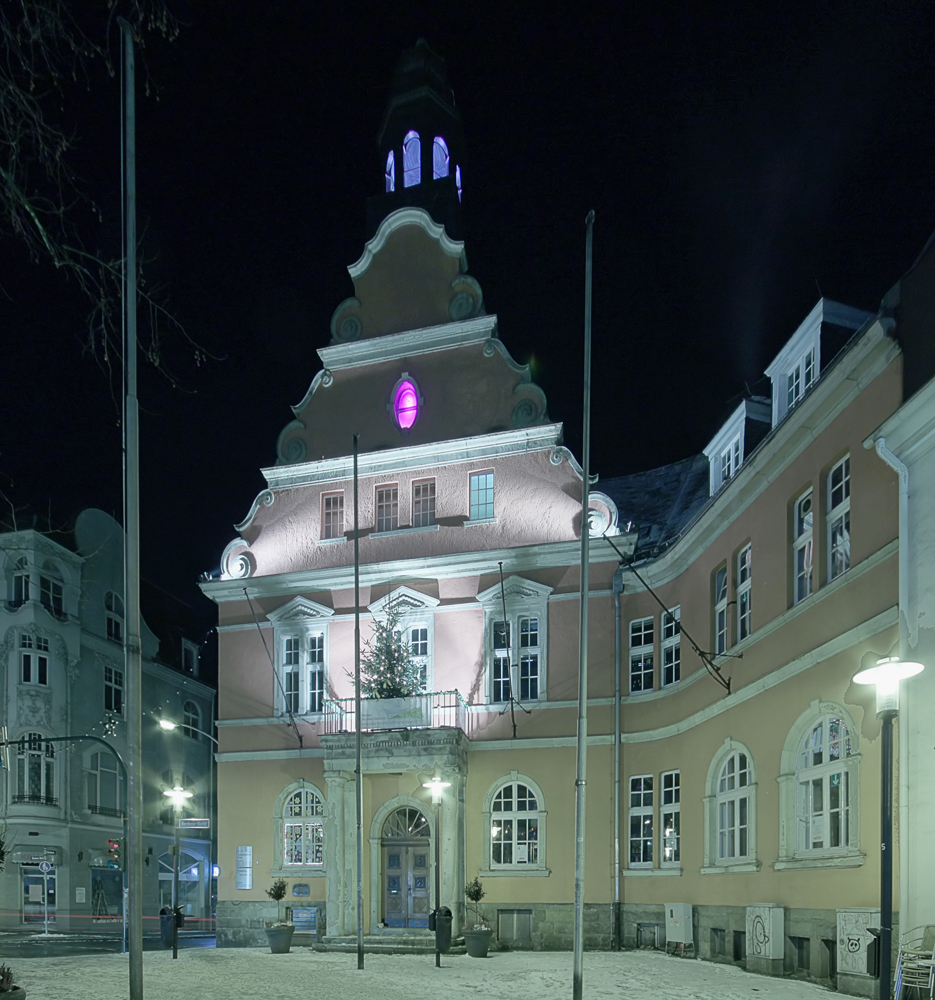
[[433, 710], [34, 800], [106, 811]]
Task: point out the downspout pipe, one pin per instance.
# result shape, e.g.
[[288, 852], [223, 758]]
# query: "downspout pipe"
[[902, 472], [618, 592]]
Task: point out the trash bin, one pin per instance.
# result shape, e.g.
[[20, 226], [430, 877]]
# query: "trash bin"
[[443, 930], [167, 921]]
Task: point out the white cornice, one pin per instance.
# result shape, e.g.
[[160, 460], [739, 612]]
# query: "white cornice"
[[442, 567], [393, 346], [420, 456], [404, 217]]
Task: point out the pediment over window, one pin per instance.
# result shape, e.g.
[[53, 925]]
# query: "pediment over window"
[[515, 589], [406, 599], [299, 611]]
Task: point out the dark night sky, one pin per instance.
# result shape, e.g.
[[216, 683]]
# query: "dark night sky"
[[736, 162]]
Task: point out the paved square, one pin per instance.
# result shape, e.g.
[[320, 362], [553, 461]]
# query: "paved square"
[[209, 974]]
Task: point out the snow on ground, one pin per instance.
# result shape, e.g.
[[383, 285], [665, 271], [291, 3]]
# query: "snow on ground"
[[210, 974]]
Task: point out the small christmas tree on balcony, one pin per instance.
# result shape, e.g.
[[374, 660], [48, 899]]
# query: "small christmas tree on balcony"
[[387, 669]]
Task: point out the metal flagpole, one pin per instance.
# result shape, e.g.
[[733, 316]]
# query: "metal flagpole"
[[358, 772], [582, 764], [131, 449]]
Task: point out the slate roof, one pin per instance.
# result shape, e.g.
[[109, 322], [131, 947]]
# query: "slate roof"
[[660, 502]]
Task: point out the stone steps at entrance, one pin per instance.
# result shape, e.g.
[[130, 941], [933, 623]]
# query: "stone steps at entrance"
[[390, 944]]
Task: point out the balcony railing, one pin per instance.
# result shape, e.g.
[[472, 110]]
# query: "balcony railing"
[[433, 710], [38, 800], [106, 811]]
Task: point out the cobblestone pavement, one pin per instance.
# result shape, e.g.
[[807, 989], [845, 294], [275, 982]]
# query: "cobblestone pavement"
[[209, 974]]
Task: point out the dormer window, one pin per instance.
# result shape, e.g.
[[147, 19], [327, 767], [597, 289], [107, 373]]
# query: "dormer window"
[[730, 460], [736, 439], [390, 172], [439, 158], [412, 160], [800, 379]]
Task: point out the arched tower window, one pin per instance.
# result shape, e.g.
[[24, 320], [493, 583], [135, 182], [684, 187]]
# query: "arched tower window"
[[439, 158], [390, 171], [412, 160], [458, 181]]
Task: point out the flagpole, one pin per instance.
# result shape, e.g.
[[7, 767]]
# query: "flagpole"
[[582, 762]]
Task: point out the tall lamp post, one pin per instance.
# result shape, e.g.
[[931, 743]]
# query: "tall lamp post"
[[435, 786], [169, 726], [885, 676], [178, 796]]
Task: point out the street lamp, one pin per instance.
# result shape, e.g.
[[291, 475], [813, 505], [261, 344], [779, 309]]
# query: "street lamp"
[[169, 726], [178, 796], [435, 786], [885, 676]]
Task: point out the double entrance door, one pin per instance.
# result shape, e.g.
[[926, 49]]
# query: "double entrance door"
[[406, 883]]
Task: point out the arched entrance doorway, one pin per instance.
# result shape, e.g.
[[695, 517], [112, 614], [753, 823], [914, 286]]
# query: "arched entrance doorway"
[[406, 854]]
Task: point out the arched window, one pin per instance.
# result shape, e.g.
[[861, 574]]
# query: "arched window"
[[458, 181], [299, 831], [113, 605], [51, 592], [730, 810], [818, 787], [191, 720], [20, 593], [35, 771], [439, 158], [412, 160], [390, 171], [514, 821]]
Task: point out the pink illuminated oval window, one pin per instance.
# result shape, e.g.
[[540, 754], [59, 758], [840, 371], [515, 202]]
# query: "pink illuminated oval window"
[[406, 404]]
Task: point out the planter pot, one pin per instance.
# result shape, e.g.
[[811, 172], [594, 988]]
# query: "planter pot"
[[17, 993], [477, 942], [280, 938]]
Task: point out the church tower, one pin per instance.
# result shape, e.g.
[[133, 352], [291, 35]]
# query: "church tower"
[[421, 143]]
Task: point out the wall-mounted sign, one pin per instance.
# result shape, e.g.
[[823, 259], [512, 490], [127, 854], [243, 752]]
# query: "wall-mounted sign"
[[301, 889], [244, 876], [80, 894], [194, 824]]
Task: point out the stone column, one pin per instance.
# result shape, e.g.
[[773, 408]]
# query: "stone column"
[[349, 868], [452, 854], [335, 842]]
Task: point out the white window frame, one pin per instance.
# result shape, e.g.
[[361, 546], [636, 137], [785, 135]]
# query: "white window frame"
[[715, 796], [191, 720], [744, 580], [93, 773], [720, 610], [489, 817], [839, 518], [282, 815], [423, 503], [300, 629], [729, 460], [114, 689], [640, 792], [670, 826], [114, 616], [524, 599], [34, 659], [642, 657], [803, 546], [671, 647], [386, 507], [21, 587], [330, 529], [35, 746], [801, 377], [416, 611], [792, 854], [482, 496], [52, 591]]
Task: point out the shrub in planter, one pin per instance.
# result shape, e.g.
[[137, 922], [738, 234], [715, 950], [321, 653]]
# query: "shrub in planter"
[[476, 937], [279, 932], [7, 990]]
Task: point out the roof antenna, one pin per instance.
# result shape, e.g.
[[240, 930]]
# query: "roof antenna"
[[509, 646]]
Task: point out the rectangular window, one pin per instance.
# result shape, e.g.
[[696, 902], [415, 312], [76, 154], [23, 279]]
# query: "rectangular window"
[[641, 655], [822, 812], [423, 503], [671, 647], [316, 673], [51, 596], [641, 821], [839, 518], [720, 611], [332, 515], [528, 659], [670, 813], [419, 651], [730, 460], [20, 589], [744, 597], [501, 661], [290, 662], [800, 379], [305, 844], [114, 628], [802, 547], [481, 495], [113, 690], [387, 508], [34, 666]]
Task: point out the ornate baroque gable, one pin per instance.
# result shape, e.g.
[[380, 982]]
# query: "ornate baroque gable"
[[300, 611]]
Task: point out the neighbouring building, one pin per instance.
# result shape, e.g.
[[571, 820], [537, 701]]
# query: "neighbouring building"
[[733, 765], [64, 802]]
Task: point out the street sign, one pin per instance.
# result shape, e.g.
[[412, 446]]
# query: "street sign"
[[194, 824], [45, 867]]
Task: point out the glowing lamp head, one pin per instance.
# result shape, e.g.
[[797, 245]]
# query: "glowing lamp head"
[[405, 404], [436, 785], [167, 724], [178, 796], [885, 676]]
